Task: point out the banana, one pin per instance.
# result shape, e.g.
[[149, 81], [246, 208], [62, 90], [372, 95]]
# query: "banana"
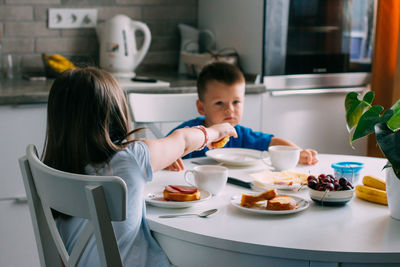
[[375, 182], [58, 63], [371, 194]]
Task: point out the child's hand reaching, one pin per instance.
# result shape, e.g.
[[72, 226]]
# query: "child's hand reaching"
[[218, 132], [308, 156], [176, 166]]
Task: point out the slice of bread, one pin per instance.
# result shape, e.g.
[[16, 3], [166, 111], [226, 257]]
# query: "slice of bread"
[[282, 203], [222, 142], [251, 200], [181, 193]]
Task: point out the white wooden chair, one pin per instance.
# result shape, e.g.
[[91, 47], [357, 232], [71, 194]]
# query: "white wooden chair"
[[149, 109], [99, 199]]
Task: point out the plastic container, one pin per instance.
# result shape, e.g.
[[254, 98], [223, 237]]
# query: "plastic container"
[[348, 169]]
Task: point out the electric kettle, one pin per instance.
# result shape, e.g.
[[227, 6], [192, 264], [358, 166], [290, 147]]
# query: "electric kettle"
[[118, 52]]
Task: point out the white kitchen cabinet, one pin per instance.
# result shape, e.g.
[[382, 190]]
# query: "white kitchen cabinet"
[[310, 118], [20, 125], [17, 244]]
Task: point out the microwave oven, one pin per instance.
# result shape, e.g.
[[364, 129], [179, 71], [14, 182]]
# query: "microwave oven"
[[295, 44]]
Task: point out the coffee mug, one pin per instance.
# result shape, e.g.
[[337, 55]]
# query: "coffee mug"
[[284, 157], [211, 178]]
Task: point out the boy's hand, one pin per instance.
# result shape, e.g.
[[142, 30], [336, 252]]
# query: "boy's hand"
[[176, 166], [308, 156]]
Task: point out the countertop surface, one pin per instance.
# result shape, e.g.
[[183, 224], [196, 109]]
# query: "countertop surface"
[[359, 231], [20, 91]]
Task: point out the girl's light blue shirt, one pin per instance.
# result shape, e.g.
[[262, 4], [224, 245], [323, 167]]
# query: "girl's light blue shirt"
[[136, 245]]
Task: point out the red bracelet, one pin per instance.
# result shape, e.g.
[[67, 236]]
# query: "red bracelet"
[[203, 129]]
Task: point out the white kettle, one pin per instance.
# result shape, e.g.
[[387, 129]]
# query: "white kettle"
[[118, 52]]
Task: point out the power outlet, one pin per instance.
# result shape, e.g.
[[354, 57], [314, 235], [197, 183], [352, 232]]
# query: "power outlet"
[[70, 18]]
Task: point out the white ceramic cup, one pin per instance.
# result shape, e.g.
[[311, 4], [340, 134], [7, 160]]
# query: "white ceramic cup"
[[211, 178], [284, 157]]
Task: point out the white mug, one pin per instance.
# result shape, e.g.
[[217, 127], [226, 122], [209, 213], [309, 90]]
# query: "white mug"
[[284, 157], [211, 178]]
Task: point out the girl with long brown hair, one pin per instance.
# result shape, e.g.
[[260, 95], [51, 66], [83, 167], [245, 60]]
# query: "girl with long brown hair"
[[88, 132]]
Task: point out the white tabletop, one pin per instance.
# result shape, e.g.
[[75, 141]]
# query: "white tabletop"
[[359, 231]]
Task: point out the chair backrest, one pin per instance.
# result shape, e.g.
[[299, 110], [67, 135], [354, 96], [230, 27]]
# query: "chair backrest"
[[149, 108], [100, 199]]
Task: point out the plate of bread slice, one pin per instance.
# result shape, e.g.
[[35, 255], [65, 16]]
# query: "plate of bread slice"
[[284, 180], [177, 196], [237, 156], [269, 202]]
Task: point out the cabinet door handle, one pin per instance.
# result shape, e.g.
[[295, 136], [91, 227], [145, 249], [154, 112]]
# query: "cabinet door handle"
[[317, 91], [18, 199]]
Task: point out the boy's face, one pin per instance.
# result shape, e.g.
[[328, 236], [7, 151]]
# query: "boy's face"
[[222, 103]]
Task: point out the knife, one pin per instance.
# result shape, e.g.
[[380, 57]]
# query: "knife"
[[241, 183]]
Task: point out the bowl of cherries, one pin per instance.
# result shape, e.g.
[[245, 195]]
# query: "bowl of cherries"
[[329, 191]]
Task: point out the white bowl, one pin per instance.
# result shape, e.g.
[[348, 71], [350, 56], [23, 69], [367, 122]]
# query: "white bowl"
[[331, 198]]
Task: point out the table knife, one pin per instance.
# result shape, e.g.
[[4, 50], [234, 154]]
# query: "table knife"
[[241, 183]]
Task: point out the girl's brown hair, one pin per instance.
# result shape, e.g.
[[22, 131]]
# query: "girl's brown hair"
[[87, 120]]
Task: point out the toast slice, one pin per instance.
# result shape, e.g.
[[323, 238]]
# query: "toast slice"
[[251, 200], [282, 203], [181, 193]]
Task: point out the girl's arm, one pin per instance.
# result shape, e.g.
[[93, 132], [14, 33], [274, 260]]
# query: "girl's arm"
[[164, 151]]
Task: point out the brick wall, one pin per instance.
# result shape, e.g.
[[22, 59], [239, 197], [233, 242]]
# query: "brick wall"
[[23, 24]]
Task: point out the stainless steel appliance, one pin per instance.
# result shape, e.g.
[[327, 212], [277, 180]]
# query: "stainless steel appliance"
[[296, 43]]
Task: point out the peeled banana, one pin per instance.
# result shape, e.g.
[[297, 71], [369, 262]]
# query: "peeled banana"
[[371, 194], [375, 182], [58, 63]]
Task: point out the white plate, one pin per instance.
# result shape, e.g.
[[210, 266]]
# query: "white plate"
[[237, 156], [303, 204], [157, 199]]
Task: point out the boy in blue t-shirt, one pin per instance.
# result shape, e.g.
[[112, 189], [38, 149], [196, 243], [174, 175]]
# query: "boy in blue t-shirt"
[[221, 89]]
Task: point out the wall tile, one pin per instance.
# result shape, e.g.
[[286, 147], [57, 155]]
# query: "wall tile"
[[33, 1], [41, 12], [164, 43], [16, 13], [25, 45], [105, 13], [87, 2], [88, 32], [28, 29], [163, 58], [77, 45], [176, 12], [156, 2]]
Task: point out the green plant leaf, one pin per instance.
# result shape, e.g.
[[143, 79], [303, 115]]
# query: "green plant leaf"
[[355, 107], [394, 122], [389, 143], [368, 120], [369, 97]]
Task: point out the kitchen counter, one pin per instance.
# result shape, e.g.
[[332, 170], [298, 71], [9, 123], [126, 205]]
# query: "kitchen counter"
[[18, 92]]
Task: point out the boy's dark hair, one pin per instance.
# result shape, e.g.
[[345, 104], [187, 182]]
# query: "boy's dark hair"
[[222, 72]]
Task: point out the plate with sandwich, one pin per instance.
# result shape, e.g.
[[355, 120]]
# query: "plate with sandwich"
[[269, 202], [177, 196], [237, 156], [285, 180]]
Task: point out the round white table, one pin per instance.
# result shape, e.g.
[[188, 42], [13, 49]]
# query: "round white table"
[[355, 234]]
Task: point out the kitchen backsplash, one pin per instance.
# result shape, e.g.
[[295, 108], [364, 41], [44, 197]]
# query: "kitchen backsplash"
[[25, 34]]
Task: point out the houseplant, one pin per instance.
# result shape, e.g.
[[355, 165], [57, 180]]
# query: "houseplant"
[[362, 119]]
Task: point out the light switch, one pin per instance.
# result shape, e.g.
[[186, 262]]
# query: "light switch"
[[70, 18]]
